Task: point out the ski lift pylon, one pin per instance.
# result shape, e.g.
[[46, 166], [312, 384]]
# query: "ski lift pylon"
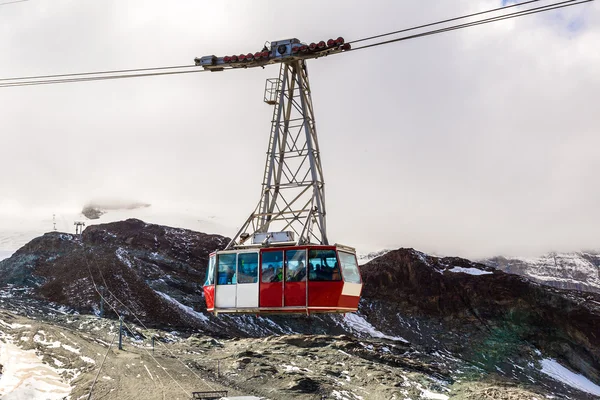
[[280, 261]]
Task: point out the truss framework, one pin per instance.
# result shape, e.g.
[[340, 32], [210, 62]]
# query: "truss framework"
[[293, 189]]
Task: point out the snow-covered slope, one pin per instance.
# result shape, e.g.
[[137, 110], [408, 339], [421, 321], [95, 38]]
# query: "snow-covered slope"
[[364, 258], [579, 271]]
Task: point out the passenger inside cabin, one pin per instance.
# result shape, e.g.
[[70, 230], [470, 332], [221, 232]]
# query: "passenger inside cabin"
[[268, 274], [312, 271], [231, 279], [324, 272], [323, 265], [301, 274], [278, 275]]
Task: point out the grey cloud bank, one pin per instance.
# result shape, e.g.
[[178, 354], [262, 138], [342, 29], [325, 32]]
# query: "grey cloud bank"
[[474, 143]]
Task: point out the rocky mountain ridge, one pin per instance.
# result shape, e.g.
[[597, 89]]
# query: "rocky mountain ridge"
[[576, 271], [498, 324]]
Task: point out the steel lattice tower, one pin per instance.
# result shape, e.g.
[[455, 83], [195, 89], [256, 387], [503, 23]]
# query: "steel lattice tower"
[[293, 188]]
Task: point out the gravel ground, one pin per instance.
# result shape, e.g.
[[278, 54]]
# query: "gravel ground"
[[276, 367]]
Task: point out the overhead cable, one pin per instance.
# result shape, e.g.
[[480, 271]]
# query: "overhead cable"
[[159, 71], [553, 6], [117, 71], [95, 78], [443, 22], [13, 2]]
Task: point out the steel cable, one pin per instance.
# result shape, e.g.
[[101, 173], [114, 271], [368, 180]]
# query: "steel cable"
[[116, 71], [126, 326], [99, 78], [554, 6], [442, 22], [101, 365], [124, 74], [145, 327]]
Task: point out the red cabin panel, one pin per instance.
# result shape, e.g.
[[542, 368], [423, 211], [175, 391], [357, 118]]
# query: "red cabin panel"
[[295, 294], [209, 296], [271, 294], [271, 278], [324, 293], [348, 301]]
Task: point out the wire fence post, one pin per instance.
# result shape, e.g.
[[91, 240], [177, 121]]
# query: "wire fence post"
[[120, 333], [153, 345], [101, 302]]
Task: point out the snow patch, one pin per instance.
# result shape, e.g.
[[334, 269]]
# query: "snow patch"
[[345, 395], [26, 377], [470, 271], [291, 368], [122, 256], [553, 369], [13, 326], [70, 348], [358, 324], [426, 394], [365, 258], [88, 360], [37, 339], [188, 310]]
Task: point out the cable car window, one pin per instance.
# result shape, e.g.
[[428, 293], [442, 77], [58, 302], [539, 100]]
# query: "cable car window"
[[226, 269], [349, 267], [248, 268], [323, 266], [272, 266], [295, 266], [210, 271]]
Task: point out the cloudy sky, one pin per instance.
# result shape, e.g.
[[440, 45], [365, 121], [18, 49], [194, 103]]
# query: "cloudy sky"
[[477, 142]]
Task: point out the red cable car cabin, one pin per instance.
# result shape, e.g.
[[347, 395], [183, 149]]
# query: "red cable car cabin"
[[285, 279]]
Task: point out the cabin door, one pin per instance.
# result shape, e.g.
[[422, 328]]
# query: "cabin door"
[[247, 280], [225, 289], [295, 278], [271, 278]]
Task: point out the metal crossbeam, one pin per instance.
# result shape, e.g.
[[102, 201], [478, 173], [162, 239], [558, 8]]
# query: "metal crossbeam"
[[293, 194], [280, 51]]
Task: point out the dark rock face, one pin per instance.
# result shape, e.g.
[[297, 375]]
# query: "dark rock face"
[[20, 268], [131, 260], [472, 311], [495, 309]]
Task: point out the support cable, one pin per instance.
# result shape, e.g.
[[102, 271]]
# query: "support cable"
[[101, 365], [443, 22], [145, 327], [553, 6], [143, 72], [128, 328], [12, 2], [95, 78], [117, 71]]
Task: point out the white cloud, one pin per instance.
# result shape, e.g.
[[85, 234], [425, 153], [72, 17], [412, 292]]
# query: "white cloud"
[[474, 142]]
